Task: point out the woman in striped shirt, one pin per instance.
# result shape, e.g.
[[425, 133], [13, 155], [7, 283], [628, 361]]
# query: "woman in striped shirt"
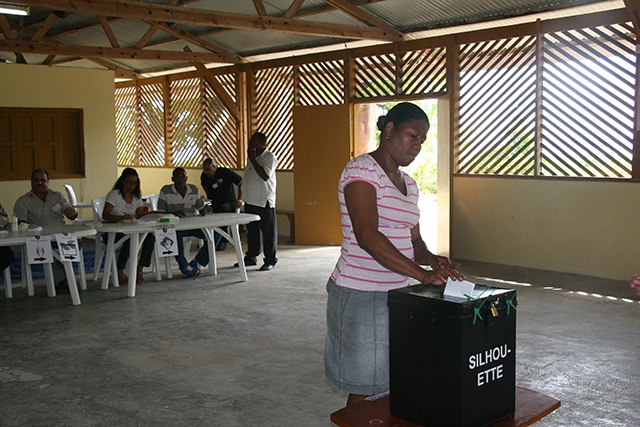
[[381, 250]]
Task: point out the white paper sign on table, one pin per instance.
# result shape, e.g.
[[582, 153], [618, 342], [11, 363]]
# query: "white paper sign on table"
[[39, 249], [68, 247], [459, 288], [166, 241]]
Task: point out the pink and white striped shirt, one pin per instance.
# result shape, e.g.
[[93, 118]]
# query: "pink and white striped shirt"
[[397, 215]]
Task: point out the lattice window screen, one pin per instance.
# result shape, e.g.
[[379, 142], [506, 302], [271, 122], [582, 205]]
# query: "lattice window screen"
[[273, 111], [220, 128], [151, 130], [423, 71], [497, 107], [186, 122], [321, 83], [126, 125], [374, 76], [588, 101]]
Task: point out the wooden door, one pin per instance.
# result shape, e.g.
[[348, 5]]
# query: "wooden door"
[[323, 145]]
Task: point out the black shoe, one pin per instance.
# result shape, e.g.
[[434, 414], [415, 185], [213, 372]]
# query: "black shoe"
[[267, 267], [221, 246], [247, 263]]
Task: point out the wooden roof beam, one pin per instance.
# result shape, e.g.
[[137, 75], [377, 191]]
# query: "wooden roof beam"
[[361, 15], [108, 52], [260, 9], [217, 88], [46, 25], [293, 9], [633, 7], [108, 31], [162, 13], [183, 35], [8, 34]]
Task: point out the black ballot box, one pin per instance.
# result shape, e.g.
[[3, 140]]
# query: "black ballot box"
[[452, 360]]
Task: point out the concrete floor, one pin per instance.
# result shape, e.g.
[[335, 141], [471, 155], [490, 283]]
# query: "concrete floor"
[[212, 351]]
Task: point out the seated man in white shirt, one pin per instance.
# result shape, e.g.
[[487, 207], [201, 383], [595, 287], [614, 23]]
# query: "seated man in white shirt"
[[43, 206], [182, 199]]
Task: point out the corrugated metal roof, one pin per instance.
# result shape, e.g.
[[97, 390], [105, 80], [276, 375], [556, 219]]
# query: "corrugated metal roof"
[[418, 17]]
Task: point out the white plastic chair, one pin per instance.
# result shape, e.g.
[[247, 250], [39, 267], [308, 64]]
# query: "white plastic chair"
[[73, 199], [101, 246]]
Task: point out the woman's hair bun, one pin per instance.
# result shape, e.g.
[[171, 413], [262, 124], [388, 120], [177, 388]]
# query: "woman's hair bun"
[[382, 121]]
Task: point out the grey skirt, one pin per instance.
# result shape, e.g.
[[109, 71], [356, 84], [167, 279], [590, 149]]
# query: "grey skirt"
[[356, 352]]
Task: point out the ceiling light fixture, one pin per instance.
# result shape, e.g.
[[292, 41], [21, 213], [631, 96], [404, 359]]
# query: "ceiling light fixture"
[[14, 9]]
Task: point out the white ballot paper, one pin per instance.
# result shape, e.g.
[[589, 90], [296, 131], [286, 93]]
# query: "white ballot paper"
[[166, 241], [68, 247], [459, 289], [39, 249]]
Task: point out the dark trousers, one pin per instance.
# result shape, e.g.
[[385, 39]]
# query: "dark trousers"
[[266, 230], [202, 257], [6, 257]]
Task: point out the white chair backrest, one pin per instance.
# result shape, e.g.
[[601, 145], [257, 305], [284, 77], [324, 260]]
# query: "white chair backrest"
[[72, 194], [153, 200], [98, 207]]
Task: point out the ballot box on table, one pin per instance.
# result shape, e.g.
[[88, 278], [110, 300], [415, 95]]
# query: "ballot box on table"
[[452, 360]]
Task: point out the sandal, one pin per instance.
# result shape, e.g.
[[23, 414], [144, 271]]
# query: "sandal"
[[122, 278]]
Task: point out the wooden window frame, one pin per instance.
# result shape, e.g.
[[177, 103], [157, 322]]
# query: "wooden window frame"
[[32, 138]]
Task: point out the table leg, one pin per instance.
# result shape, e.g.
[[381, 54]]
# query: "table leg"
[[83, 275], [8, 290], [108, 260], [210, 235], [48, 277], [27, 277], [235, 232], [71, 280], [133, 263]]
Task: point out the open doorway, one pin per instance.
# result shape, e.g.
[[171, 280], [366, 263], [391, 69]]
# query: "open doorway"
[[424, 169]]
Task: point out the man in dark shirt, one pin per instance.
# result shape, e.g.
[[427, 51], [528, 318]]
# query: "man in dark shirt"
[[217, 183]]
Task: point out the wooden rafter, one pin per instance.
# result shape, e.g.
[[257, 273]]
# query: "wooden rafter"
[[119, 71], [361, 15], [162, 13], [259, 5], [108, 31], [633, 7], [228, 55], [224, 97], [8, 34], [294, 8], [108, 52], [147, 36], [40, 36], [46, 25]]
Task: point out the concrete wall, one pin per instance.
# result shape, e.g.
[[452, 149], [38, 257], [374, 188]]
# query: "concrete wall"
[[586, 227], [30, 86]]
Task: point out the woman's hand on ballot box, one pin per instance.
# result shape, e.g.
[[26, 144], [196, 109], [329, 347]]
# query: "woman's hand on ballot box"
[[443, 268]]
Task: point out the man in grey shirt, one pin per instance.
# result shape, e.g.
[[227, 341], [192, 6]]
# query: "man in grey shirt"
[[43, 206]]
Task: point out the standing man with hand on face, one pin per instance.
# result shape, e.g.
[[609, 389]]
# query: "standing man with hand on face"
[[42, 206], [217, 183], [259, 187]]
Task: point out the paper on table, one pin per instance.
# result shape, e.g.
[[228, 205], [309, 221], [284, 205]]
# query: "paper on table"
[[459, 288]]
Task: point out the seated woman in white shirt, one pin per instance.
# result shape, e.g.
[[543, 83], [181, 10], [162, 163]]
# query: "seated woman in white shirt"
[[124, 202]]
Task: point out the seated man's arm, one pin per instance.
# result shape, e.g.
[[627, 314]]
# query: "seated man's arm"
[[20, 209]]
